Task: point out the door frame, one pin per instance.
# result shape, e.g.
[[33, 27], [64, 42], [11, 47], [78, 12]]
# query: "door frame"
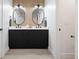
[[76, 28]]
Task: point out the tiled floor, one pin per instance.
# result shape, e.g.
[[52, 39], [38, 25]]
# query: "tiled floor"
[[28, 54]]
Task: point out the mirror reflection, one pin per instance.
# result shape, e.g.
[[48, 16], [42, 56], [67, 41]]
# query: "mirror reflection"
[[18, 15], [38, 15], [35, 16]]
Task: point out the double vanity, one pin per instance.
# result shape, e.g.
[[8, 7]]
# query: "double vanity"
[[21, 38], [28, 37]]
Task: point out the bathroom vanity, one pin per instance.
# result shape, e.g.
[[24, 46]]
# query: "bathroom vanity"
[[28, 38]]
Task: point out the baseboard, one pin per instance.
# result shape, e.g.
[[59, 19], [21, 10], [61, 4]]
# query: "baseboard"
[[0, 57], [53, 53], [0, 54], [50, 50], [4, 52], [67, 56], [62, 56]]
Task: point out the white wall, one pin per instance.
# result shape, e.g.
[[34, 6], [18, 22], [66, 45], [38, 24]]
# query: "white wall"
[[0, 43], [7, 10], [0, 26], [0, 13], [50, 12]]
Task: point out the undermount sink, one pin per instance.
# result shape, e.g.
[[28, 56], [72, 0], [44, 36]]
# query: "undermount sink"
[[25, 27]]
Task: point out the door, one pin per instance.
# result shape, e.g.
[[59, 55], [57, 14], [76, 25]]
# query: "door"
[[66, 28]]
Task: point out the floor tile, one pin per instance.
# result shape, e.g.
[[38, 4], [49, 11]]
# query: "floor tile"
[[28, 54]]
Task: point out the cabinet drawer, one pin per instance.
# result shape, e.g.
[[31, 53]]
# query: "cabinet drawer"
[[28, 39]]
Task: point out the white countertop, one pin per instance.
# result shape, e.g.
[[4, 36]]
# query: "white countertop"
[[25, 28]]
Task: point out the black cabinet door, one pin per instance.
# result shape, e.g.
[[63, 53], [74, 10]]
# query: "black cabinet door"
[[28, 39]]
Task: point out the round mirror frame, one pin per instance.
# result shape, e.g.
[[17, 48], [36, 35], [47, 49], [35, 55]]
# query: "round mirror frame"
[[14, 19], [37, 16]]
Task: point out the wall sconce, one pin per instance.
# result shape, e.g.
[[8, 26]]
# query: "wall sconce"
[[19, 6], [38, 6]]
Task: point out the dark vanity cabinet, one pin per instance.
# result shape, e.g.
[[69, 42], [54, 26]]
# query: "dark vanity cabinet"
[[22, 39]]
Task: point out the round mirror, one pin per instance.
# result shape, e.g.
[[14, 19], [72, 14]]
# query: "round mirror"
[[37, 16], [19, 16]]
